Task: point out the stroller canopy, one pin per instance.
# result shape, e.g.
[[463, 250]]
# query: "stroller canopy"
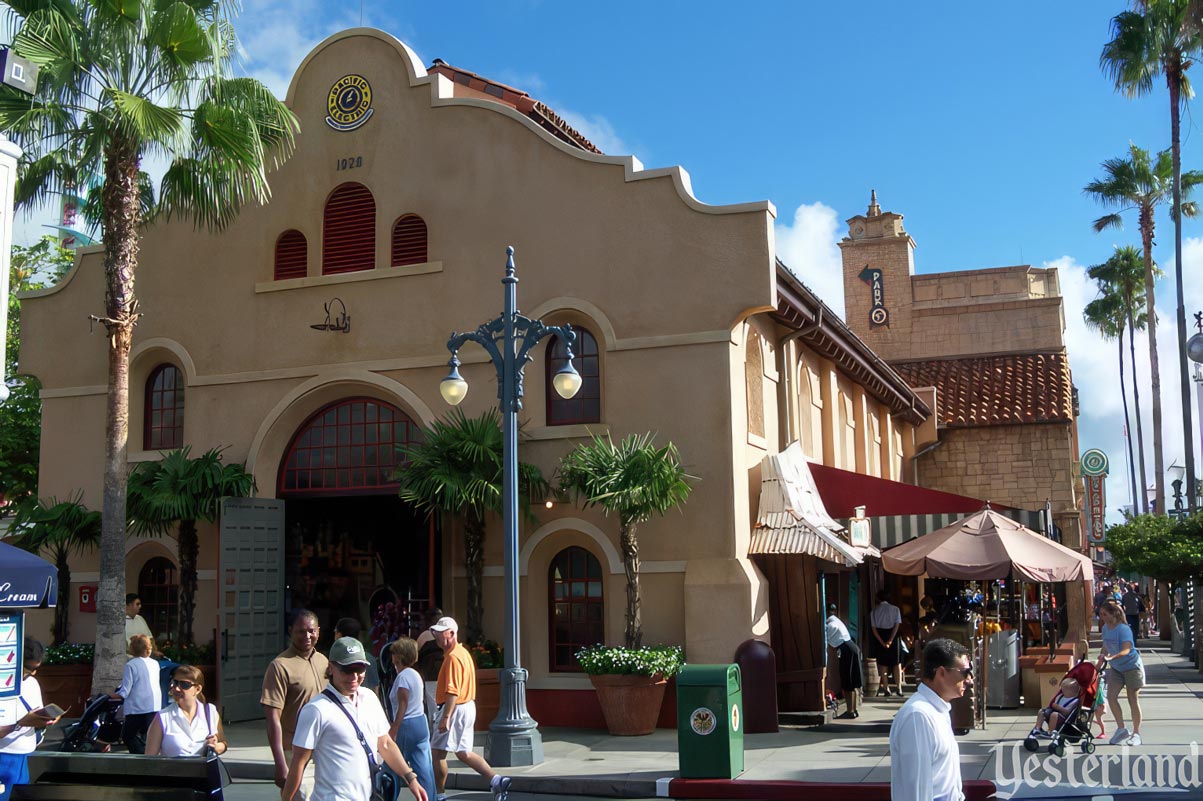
[[26, 580]]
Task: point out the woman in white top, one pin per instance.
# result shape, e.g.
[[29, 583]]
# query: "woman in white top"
[[189, 725], [410, 730], [141, 693], [886, 620]]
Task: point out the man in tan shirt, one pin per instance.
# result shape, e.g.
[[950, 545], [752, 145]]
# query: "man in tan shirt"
[[292, 680]]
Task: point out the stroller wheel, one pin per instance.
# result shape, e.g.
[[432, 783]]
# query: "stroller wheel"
[[1057, 748], [1087, 746], [1031, 744]]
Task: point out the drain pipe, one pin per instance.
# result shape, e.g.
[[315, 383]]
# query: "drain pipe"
[[926, 450]]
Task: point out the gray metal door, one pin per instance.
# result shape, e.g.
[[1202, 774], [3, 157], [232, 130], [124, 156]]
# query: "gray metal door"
[[250, 600]]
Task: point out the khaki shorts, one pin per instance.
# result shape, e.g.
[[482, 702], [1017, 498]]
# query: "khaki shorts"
[[1132, 679], [458, 738]]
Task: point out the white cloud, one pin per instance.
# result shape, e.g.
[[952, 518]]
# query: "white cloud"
[[808, 247], [1096, 374], [597, 129]]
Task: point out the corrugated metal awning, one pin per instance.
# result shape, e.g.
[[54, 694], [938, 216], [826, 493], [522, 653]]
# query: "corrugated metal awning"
[[791, 518]]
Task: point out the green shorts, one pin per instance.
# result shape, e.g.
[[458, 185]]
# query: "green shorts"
[[1132, 679]]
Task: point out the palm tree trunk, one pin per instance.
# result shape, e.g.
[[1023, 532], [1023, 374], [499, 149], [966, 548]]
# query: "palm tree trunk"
[[63, 599], [474, 561], [1173, 76], [1146, 236], [120, 219], [633, 636], [189, 550], [1123, 391], [1141, 499]]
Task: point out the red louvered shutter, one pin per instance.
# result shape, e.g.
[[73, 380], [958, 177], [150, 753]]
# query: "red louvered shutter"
[[349, 230], [292, 253], [409, 240]]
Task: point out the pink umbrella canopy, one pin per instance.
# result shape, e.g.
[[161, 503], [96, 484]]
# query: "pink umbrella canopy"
[[984, 546]]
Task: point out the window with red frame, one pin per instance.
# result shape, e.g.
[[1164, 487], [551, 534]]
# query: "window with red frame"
[[349, 230], [160, 594], [292, 254], [575, 591], [409, 240], [585, 406], [349, 447], [163, 427]]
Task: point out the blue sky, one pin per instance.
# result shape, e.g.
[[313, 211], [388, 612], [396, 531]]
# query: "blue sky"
[[979, 122]]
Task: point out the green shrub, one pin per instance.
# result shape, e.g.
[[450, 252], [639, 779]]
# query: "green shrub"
[[649, 660], [192, 654], [70, 653]]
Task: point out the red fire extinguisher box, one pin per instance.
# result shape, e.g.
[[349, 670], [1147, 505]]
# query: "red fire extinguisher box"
[[87, 597]]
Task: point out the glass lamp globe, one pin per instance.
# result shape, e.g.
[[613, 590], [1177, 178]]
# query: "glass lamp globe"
[[1194, 348], [567, 381], [453, 388]]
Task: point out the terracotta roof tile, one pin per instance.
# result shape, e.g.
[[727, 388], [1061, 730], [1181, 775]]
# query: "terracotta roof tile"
[[996, 390]]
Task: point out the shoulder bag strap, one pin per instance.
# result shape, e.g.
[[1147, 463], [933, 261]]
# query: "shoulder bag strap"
[[208, 720], [367, 749]]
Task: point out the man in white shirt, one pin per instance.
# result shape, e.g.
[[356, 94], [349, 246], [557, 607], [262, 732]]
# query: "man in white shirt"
[[329, 728], [851, 675], [136, 624], [925, 761]]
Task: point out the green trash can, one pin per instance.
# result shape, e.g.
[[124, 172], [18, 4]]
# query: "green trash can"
[[710, 730]]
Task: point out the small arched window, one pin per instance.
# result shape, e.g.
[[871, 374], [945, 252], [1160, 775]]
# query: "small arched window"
[[349, 230], [409, 240], [754, 378], [585, 406], [574, 584], [163, 424], [160, 594], [292, 255]]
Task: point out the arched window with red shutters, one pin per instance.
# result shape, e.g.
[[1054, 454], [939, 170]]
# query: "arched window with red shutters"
[[349, 230], [585, 406], [163, 422], [292, 255], [409, 240], [574, 588]]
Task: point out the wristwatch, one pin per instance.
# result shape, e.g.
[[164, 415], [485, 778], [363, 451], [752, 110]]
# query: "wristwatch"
[[409, 777]]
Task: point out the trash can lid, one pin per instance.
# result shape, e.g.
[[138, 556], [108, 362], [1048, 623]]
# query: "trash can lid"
[[709, 676]]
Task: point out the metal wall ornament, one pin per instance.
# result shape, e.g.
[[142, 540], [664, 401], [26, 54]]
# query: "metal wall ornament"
[[349, 103], [340, 323]]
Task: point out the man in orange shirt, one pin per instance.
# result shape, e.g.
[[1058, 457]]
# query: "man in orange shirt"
[[456, 697]]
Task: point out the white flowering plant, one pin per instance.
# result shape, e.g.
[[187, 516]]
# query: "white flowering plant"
[[648, 660]]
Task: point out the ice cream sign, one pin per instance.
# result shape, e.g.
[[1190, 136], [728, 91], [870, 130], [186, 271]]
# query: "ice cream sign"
[[10, 598]]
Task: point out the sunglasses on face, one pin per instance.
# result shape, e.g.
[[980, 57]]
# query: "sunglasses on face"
[[347, 670], [182, 684], [966, 673]]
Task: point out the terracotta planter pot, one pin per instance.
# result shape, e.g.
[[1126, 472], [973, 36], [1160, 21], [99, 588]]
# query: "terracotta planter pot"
[[488, 697], [66, 685], [630, 704]]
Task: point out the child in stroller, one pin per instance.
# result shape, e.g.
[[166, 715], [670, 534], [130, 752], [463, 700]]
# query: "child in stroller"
[[1069, 714]]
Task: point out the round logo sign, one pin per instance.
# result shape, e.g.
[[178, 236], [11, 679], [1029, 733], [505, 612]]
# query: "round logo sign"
[[879, 316], [735, 717], [1094, 463], [702, 721], [349, 104]]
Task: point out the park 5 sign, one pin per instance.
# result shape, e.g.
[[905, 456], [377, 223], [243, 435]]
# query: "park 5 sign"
[[878, 314]]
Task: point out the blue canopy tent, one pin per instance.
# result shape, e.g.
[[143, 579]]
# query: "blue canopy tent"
[[27, 581]]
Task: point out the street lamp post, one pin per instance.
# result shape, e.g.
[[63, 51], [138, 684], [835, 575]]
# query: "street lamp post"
[[514, 737]]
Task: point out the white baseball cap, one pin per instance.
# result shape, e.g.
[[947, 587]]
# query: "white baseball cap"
[[445, 624]]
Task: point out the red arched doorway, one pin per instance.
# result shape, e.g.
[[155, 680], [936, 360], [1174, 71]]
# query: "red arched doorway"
[[350, 541]]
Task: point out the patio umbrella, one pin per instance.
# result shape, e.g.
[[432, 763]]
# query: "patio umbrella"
[[984, 546], [26, 580]]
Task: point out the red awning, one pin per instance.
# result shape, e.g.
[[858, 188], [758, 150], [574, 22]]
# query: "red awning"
[[842, 491]]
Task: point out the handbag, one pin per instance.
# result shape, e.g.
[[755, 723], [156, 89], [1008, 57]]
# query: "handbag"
[[384, 784], [215, 764]]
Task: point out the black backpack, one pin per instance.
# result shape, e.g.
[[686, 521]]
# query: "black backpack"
[[430, 660]]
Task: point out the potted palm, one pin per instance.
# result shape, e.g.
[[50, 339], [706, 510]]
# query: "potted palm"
[[630, 683], [456, 470], [179, 489]]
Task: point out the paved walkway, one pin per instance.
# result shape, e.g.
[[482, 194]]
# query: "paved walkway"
[[591, 763]]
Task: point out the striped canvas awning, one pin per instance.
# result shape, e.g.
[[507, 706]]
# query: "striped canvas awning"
[[889, 531], [791, 518]]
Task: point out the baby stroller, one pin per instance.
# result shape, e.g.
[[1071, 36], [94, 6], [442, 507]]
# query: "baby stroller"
[[1074, 727], [96, 729]]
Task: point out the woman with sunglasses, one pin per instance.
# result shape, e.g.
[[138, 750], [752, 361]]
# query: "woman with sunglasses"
[[189, 725]]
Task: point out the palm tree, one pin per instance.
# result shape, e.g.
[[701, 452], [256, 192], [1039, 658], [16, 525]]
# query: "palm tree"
[[457, 470], [1140, 183], [57, 528], [182, 490], [1159, 38], [1120, 305], [118, 82], [635, 480]]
